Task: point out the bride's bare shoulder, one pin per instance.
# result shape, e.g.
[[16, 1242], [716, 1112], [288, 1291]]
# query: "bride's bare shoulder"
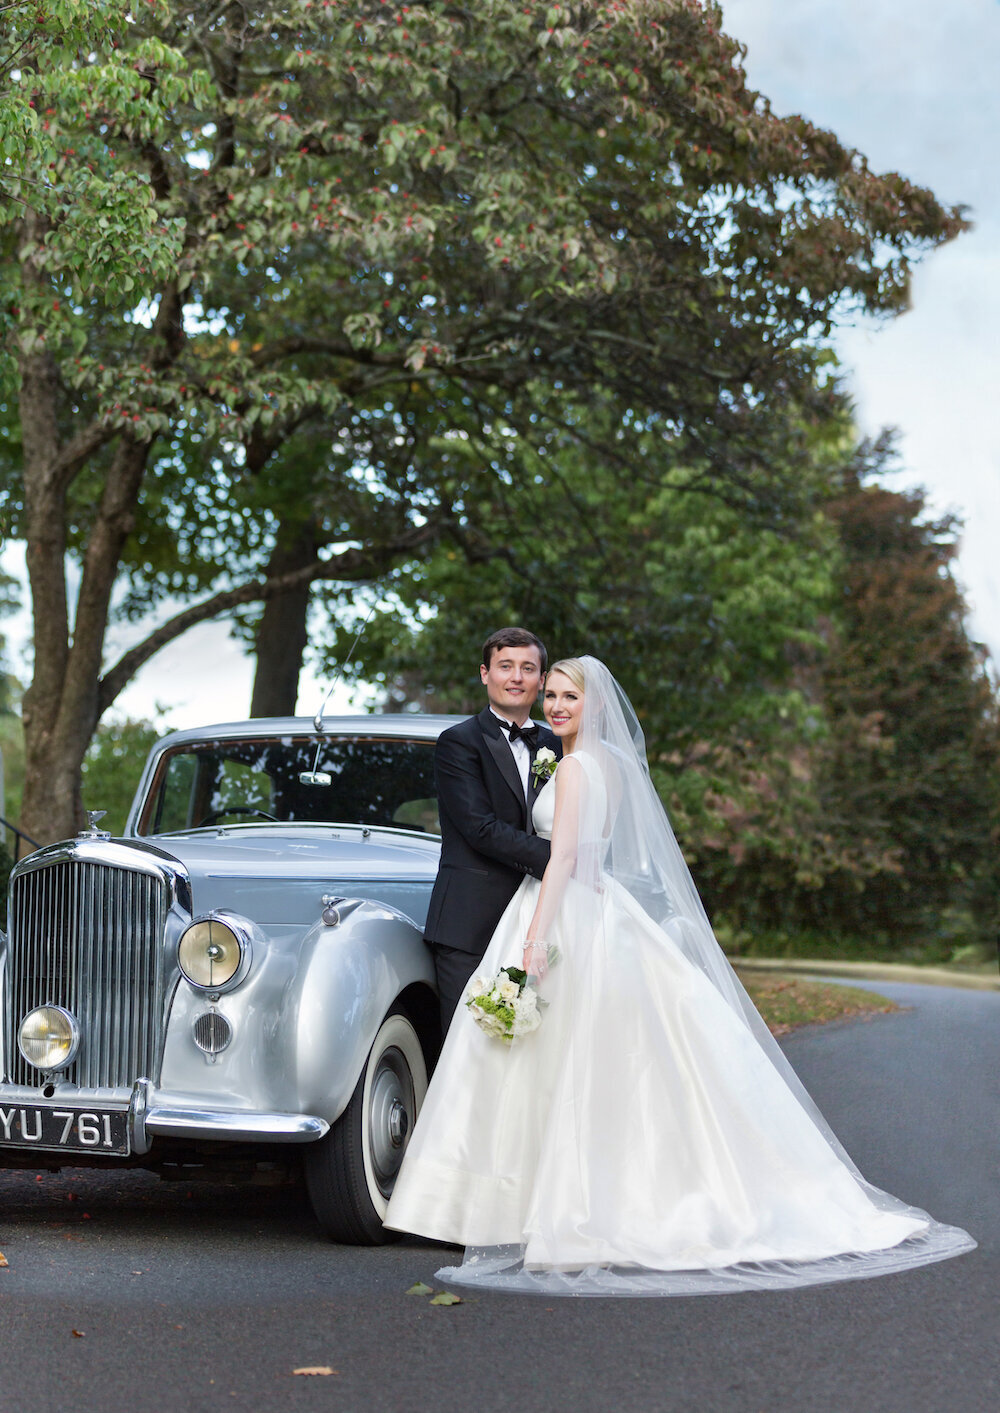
[[577, 768]]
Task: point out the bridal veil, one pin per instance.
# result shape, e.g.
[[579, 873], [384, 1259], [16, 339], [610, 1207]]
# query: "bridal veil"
[[626, 893]]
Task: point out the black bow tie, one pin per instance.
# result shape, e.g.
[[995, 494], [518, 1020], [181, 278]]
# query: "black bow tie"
[[528, 734]]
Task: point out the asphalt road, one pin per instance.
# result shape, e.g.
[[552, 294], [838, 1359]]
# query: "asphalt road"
[[206, 1298]]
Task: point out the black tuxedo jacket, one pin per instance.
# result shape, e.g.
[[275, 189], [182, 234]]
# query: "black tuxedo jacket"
[[487, 842]]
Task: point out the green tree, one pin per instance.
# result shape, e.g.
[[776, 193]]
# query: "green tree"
[[895, 800], [693, 595], [112, 767], [235, 226], [915, 743], [819, 724], [703, 610]]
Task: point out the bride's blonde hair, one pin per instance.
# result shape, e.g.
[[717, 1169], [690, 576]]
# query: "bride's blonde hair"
[[572, 668]]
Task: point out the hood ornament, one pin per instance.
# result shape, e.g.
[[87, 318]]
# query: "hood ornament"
[[92, 832]]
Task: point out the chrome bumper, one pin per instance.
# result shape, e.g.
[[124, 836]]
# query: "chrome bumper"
[[149, 1118], [229, 1126]]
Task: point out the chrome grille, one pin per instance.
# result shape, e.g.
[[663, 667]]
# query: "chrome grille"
[[89, 937]]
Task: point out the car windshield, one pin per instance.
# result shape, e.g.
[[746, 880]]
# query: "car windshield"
[[360, 780]]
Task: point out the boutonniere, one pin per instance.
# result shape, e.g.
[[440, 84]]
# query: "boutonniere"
[[544, 765]]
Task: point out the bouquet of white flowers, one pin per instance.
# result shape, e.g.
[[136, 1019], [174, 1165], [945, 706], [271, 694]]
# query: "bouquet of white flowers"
[[506, 1007]]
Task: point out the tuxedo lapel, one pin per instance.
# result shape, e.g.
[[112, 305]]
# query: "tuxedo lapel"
[[496, 743]]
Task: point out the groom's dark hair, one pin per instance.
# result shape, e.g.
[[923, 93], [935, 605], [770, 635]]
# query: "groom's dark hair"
[[513, 638]]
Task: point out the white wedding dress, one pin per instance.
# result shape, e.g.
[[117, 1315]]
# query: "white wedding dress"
[[641, 1140]]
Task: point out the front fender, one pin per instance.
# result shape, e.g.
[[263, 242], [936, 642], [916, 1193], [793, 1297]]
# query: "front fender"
[[348, 978], [304, 1019]]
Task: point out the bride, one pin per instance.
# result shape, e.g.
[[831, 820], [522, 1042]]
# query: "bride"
[[648, 1137]]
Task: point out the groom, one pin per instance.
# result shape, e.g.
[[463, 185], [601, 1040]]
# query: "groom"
[[485, 789]]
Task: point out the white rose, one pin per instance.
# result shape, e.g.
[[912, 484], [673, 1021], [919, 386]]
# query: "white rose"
[[526, 1007], [477, 986], [527, 1016], [509, 990], [545, 756]]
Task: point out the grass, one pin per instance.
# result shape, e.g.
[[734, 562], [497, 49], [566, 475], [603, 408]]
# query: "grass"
[[788, 1002], [951, 938]]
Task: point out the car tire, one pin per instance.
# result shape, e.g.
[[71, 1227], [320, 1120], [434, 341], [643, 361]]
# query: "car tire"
[[350, 1172]]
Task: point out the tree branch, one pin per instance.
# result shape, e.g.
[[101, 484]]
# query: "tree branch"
[[71, 457], [352, 564], [300, 343]]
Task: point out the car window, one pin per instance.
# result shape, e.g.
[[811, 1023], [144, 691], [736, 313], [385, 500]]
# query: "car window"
[[418, 814], [360, 780], [242, 789]]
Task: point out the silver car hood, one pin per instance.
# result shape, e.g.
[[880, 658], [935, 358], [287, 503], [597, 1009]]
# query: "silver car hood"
[[280, 875], [285, 852]]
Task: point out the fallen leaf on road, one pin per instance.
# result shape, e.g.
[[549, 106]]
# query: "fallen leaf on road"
[[316, 1369], [79, 1334], [446, 1298], [3, 1260], [420, 1289]]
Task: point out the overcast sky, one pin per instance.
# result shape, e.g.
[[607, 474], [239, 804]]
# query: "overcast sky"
[[913, 84]]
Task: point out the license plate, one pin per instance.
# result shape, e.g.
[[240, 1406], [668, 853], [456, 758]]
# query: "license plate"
[[102, 1131]]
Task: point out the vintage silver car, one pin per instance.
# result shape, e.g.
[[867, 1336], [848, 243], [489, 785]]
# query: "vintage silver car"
[[241, 972]]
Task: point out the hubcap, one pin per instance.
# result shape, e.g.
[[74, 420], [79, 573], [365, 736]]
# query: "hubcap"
[[391, 1115], [399, 1125]]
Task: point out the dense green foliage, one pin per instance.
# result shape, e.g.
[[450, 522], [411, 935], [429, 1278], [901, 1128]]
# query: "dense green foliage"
[[696, 601], [821, 726], [892, 807], [913, 762], [113, 765], [506, 311], [279, 255]]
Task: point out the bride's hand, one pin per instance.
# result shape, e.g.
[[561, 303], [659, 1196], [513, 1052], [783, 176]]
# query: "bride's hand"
[[535, 961]]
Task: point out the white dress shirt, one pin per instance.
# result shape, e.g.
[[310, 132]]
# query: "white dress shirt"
[[519, 750]]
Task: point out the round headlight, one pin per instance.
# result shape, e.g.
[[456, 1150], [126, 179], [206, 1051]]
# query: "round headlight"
[[211, 953], [49, 1038]]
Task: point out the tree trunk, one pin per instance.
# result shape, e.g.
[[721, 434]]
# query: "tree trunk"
[[63, 705], [282, 634]]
